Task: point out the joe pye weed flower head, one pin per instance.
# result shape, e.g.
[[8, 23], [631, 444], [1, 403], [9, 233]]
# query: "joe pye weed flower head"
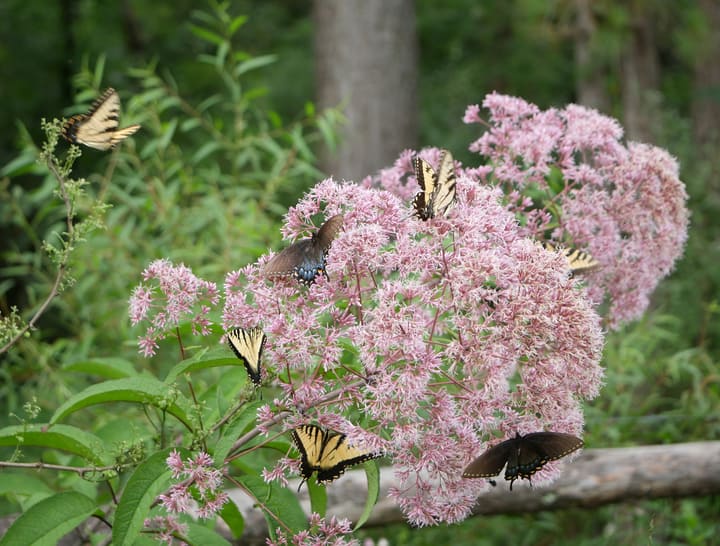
[[624, 203], [431, 334], [428, 339]]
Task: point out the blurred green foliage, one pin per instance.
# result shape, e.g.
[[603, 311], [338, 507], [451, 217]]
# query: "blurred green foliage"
[[205, 182], [228, 144]]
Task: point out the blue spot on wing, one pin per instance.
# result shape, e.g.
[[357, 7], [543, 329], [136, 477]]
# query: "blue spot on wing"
[[310, 268]]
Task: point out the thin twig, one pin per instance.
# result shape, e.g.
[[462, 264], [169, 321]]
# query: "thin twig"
[[62, 266], [282, 415], [80, 470]]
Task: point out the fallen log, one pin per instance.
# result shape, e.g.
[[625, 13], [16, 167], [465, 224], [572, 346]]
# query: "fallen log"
[[596, 477]]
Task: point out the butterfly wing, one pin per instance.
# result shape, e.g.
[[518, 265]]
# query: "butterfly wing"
[[305, 259], [122, 134], [310, 441], [328, 231], [437, 193], [492, 461], [553, 445], [337, 455], [427, 180], [443, 196], [99, 127], [248, 345], [533, 451], [328, 453], [579, 260]]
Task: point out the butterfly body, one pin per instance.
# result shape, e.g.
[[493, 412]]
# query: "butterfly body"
[[579, 260], [248, 345], [522, 456], [306, 259], [99, 127], [326, 452], [310, 260], [437, 193]]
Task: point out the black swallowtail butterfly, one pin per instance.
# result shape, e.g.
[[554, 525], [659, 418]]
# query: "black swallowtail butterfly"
[[524, 455], [305, 259]]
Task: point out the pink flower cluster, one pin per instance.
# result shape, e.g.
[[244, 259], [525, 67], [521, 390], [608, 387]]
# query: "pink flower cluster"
[[177, 295], [320, 532], [440, 333], [167, 529], [427, 339], [625, 204], [199, 475]]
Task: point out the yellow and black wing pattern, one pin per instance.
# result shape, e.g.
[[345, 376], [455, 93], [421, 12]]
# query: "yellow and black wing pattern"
[[99, 127], [579, 260], [248, 345], [326, 452], [437, 189]]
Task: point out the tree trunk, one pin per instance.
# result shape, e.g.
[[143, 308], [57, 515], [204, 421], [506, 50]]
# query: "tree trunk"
[[640, 75], [366, 62], [706, 100], [68, 15], [591, 76], [132, 29]]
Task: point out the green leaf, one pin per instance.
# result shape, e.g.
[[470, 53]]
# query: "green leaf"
[[21, 483], [201, 362], [318, 496], [199, 535], [24, 488], [255, 62], [99, 71], [62, 437], [281, 503], [205, 150], [233, 517], [22, 164], [189, 124], [237, 23], [328, 132], [109, 368], [372, 471], [235, 430], [142, 390], [149, 479], [168, 133], [48, 520], [227, 392], [555, 180], [206, 35]]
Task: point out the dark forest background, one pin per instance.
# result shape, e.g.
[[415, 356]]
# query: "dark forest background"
[[232, 99]]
